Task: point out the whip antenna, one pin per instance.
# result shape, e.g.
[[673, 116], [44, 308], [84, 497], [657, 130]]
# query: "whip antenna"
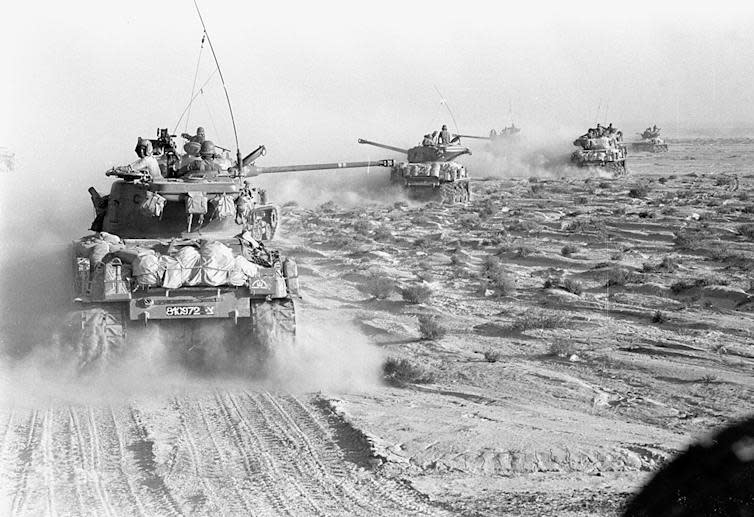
[[227, 97], [444, 102]]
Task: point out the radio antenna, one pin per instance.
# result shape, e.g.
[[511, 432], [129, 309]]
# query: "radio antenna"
[[225, 88]]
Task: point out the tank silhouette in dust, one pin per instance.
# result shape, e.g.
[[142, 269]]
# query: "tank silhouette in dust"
[[430, 171], [650, 141], [601, 147], [181, 248], [499, 143]]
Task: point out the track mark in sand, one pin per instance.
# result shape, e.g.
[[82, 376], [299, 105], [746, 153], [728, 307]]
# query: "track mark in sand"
[[306, 459], [275, 493], [195, 459], [224, 460], [71, 451], [25, 462], [95, 453], [121, 459], [8, 427], [146, 466], [48, 460]]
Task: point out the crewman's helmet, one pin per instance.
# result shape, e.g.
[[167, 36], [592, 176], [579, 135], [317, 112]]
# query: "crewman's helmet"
[[444, 126], [200, 131], [208, 148]]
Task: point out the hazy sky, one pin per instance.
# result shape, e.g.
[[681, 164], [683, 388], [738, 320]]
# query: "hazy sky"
[[308, 78]]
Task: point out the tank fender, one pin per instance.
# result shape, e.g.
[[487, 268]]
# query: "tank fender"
[[290, 272]]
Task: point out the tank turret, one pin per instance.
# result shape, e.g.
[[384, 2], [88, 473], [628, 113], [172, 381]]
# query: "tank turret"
[[430, 171]]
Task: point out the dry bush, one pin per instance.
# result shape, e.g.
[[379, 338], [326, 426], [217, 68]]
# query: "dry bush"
[[492, 356], [561, 347], [536, 320], [570, 285], [469, 220], [382, 232], [638, 191], [399, 372], [379, 287], [659, 317], [683, 285], [585, 225], [688, 240], [568, 250], [487, 208], [495, 276], [669, 264], [417, 293], [328, 207], [619, 276], [430, 327], [362, 226], [523, 225], [747, 230], [525, 251]]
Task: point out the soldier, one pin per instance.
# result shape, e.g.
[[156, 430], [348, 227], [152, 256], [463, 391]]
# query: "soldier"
[[206, 164], [427, 140], [493, 134], [146, 162], [444, 135], [198, 137]]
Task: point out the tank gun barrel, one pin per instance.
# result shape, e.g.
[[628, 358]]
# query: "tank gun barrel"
[[388, 147], [253, 171], [477, 137]]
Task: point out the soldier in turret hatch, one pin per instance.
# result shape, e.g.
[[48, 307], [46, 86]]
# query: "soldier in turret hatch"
[[146, 162], [207, 163], [199, 137], [427, 141], [444, 135]]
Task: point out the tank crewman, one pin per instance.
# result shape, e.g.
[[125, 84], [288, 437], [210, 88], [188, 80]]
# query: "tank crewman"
[[444, 135], [493, 134], [207, 163], [199, 137], [427, 141], [146, 162]]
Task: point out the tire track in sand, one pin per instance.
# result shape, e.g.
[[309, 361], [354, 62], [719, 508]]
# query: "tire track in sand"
[[24, 462]]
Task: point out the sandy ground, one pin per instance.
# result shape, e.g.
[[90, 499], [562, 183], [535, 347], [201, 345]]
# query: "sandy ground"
[[566, 377]]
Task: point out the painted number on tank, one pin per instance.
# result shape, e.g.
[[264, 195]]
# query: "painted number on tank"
[[183, 310]]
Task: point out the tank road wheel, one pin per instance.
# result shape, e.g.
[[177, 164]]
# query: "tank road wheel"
[[273, 326], [447, 193], [97, 335]]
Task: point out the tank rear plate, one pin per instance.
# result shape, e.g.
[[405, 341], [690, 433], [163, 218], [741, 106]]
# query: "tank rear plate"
[[220, 305]]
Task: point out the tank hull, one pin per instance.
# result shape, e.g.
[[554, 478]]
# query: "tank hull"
[[220, 300], [444, 182], [650, 147], [617, 167]]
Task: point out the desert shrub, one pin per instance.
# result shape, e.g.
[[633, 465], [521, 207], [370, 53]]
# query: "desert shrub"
[[457, 259], [379, 287], [708, 379], [683, 285], [362, 225], [328, 207], [638, 191], [492, 356], [382, 232], [748, 209], [585, 225], [402, 371], [487, 208], [669, 210], [619, 276], [417, 293], [537, 188], [668, 264], [582, 200], [662, 180], [616, 256], [568, 250], [469, 220], [560, 347], [573, 286], [659, 317], [536, 320], [743, 196], [747, 230], [430, 327], [495, 276], [688, 240], [525, 251], [523, 225]]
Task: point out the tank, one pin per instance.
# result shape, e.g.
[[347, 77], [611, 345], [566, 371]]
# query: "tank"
[[430, 172], [650, 141], [601, 148], [187, 261]]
